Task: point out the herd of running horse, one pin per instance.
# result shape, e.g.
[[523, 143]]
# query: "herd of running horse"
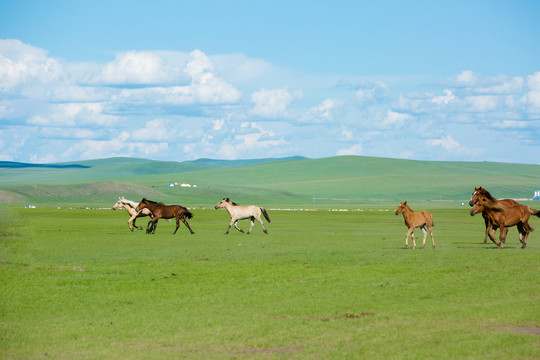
[[498, 214]]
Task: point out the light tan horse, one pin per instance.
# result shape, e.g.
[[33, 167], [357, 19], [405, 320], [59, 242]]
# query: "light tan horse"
[[130, 207], [238, 212], [416, 219]]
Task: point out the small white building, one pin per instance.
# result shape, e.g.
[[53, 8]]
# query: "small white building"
[[536, 195]]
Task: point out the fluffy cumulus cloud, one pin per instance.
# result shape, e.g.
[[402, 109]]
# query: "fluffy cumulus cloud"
[[273, 103], [532, 98], [324, 112], [205, 87], [22, 64], [138, 68], [191, 104]]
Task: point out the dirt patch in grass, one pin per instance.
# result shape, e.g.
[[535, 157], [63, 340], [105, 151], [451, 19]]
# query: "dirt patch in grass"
[[278, 350], [531, 330]]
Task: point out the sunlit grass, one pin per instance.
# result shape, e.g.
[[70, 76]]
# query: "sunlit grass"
[[322, 284]]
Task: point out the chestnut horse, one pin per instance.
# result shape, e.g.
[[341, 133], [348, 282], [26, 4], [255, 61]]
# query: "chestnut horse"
[[504, 217], [416, 219], [238, 212], [160, 210], [489, 224]]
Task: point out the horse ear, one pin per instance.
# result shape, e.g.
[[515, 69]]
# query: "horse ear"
[[405, 203]]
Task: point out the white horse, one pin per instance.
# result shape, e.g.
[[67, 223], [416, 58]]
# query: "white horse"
[[130, 207], [237, 212]]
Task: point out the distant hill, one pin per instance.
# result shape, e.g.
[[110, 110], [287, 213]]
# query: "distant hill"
[[296, 181], [19, 165]]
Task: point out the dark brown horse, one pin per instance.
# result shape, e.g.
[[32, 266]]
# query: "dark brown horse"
[[503, 215], [489, 224], [416, 219], [160, 210]]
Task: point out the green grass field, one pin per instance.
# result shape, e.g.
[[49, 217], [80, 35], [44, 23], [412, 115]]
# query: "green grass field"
[[77, 284]]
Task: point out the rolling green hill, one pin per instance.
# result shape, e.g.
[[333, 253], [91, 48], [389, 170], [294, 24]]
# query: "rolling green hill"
[[345, 180]]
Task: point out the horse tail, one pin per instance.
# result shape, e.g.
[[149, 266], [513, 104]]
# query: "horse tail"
[[266, 216], [188, 214], [534, 212]]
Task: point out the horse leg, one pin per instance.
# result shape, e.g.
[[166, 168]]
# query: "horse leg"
[[186, 223], [407, 238], [492, 235], [502, 236], [236, 226], [527, 232], [423, 228], [252, 223], [134, 220], [148, 227], [177, 225], [432, 237], [488, 228], [154, 226], [524, 230], [129, 222], [262, 224]]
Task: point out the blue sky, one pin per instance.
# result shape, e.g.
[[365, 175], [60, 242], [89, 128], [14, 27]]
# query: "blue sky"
[[179, 80]]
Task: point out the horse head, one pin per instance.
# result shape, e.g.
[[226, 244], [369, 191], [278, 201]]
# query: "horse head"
[[223, 203], [118, 204], [401, 208], [477, 208], [142, 204]]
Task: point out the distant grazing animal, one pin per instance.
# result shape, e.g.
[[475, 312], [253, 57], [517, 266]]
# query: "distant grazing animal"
[[130, 207], [238, 212], [489, 224], [160, 210], [504, 216], [416, 219]]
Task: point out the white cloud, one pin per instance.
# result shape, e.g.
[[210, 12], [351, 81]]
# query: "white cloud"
[[241, 69], [444, 99], [273, 103], [502, 85], [23, 65], [353, 150], [253, 137], [218, 124], [324, 112], [155, 131], [483, 103], [76, 114], [532, 98], [205, 88], [137, 68], [510, 124], [447, 143], [394, 120], [466, 78], [372, 92]]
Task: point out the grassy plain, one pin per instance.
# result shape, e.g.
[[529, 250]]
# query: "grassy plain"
[[345, 180], [77, 284]]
